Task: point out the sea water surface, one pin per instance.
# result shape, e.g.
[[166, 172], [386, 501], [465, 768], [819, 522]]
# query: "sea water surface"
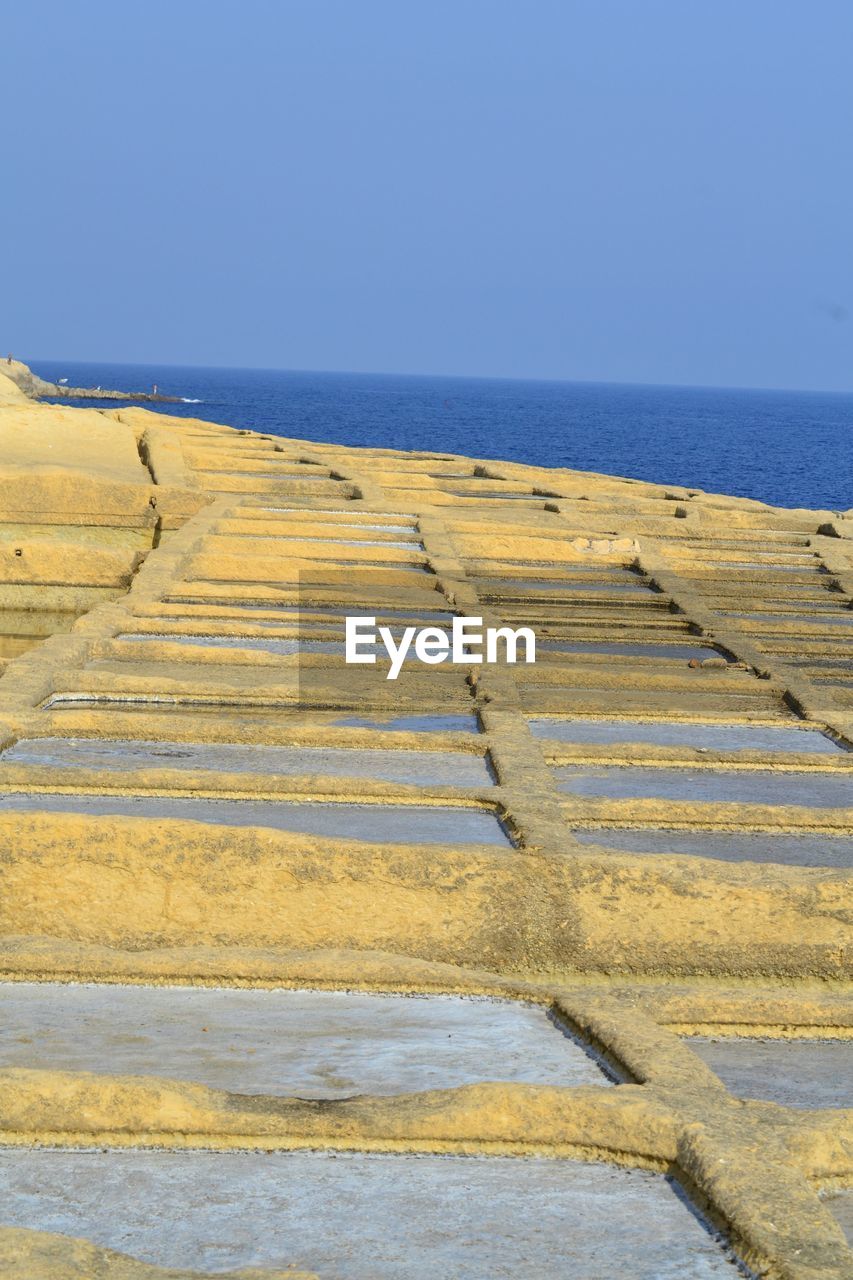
[[789, 448]]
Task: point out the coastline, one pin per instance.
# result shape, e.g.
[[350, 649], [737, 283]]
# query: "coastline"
[[36, 388], [716, 441]]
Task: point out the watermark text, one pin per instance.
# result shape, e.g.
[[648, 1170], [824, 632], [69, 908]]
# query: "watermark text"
[[467, 642]]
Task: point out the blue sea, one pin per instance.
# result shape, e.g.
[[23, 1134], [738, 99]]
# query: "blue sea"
[[789, 448]]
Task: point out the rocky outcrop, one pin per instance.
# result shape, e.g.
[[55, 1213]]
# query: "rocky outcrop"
[[37, 388]]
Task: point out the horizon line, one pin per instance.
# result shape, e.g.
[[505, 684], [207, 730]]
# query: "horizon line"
[[466, 377]]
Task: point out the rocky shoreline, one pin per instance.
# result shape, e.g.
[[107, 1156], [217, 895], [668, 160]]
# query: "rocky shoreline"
[[39, 389]]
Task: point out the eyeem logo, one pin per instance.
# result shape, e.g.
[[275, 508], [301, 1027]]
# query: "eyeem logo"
[[464, 644]]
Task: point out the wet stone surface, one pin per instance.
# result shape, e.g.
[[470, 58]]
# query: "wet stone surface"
[[661, 733], [671, 652], [384, 823], [414, 724], [511, 571], [481, 1218], [707, 786], [843, 619], [508, 586], [418, 723], [336, 628], [152, 703], [840, 1203], [307, 612], [396, 566], [794, 1073], [497, 493], [755, 567], [284, 473], [396, 522], [807, 850], [282, 645], [408, 544], [307, 1044], [824, 664], [424, 768]]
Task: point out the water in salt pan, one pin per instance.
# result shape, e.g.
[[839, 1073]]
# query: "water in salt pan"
[[307, 1044], [672, 652], [506, 587], [415, 724], [795, 1073], [383, 823], [784, 847], [423, 768], [733, 786], [663, 733], [284, 646], [340, 1214], [840, 1204]]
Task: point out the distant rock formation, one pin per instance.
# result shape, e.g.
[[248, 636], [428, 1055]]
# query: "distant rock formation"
[[38, 389]]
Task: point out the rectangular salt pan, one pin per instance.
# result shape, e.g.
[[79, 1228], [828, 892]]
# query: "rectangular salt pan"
[[414, 724], [515, 572], [840, 1204], [145, 703], [383, 823], [309, 611], [794, 1073], [496, 493], [813, 620], [756, 567], [284, 473], [708, 786], [783, 847], [311, 573], [409, 544], [423, 768], [306, 1044], [662, 733], [671, 652], [505, 587], [366, 1216], [282, 646], [349, 513], [302, 618]]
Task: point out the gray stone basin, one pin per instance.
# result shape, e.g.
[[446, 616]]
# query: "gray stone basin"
[[673, 733], [709, 786], [506, 586], [414, 724], [307, 1044], [423, 768], [794, 1073], [284, 646], [350, 1216], [672, 652], [840, 1203], [806, 850], [384, 823]]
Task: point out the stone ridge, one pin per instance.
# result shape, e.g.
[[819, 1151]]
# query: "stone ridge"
[[209, 570]]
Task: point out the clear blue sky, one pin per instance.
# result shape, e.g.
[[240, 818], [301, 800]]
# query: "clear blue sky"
[[627, 190]]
